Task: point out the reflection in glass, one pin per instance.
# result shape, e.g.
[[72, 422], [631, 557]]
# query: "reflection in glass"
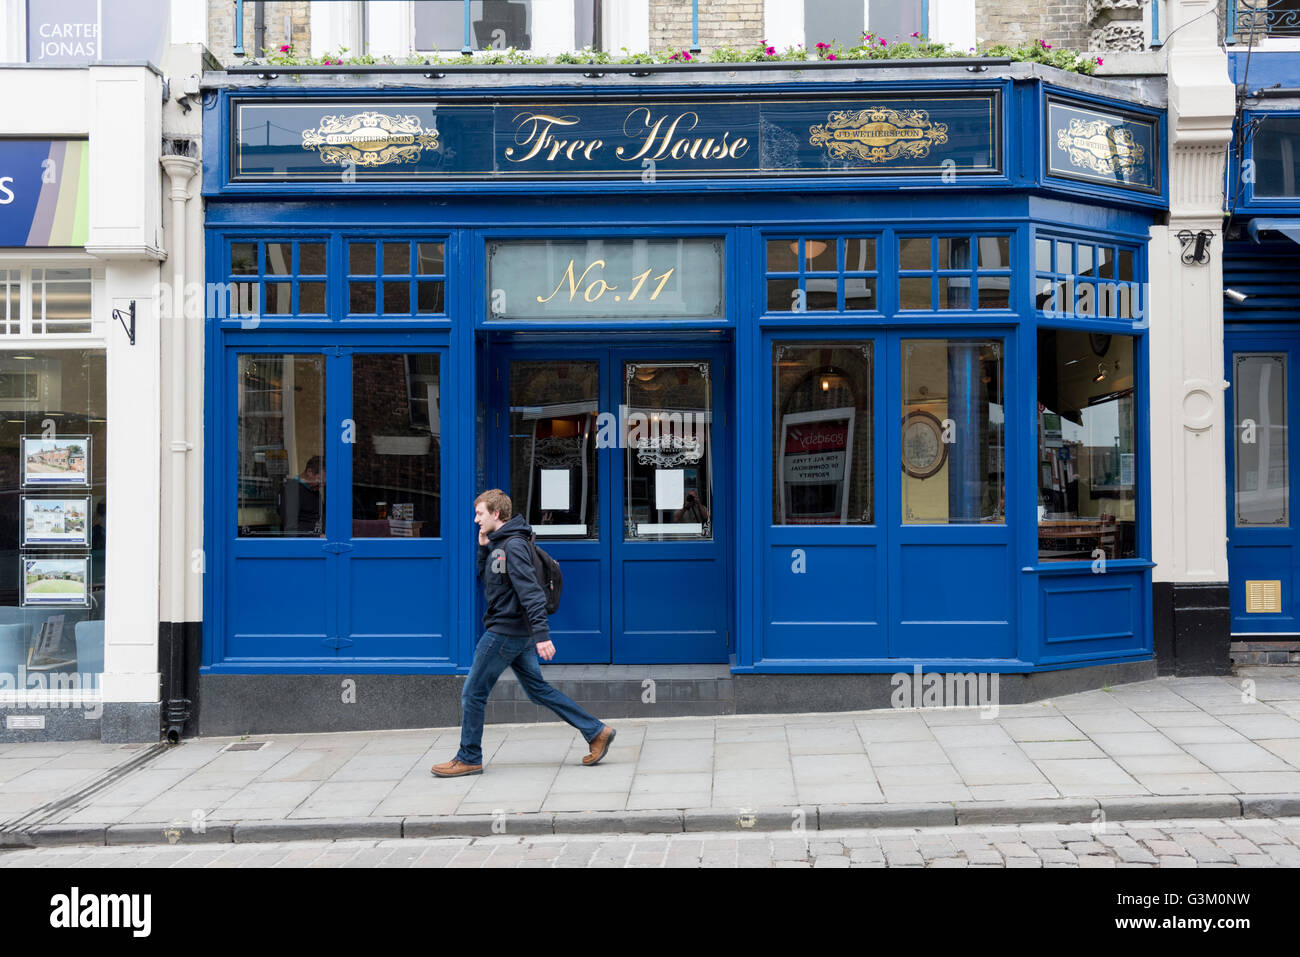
[[430, 257], [397, 455], [1087, 459], [669, 441], [280, 460], [952, 431], [822, 432], [553, 411], [361, 259], [1262, 483], [781, 255]]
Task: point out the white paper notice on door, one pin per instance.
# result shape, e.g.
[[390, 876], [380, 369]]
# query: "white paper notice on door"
[[669, 489], [555, 489]]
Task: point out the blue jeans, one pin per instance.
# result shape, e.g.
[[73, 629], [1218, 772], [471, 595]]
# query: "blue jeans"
[[491, 656]]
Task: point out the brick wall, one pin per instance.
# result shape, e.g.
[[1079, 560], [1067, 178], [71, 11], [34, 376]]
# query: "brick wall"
[[221, 28], [1062, 23], [733, 23]]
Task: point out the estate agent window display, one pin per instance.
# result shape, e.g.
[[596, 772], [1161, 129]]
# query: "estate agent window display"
[[52, 509]]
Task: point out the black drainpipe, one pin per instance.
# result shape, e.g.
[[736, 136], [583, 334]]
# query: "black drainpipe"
[[259, 28]]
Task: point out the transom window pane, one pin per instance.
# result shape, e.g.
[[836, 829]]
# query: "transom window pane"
[[280, 459], [828, 274], [1087, 456], [952, 441], [669, 442], [822, 433], [61, 300], [1262, 480]]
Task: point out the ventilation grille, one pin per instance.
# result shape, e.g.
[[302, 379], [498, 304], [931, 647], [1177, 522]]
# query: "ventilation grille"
[[1264, 596]]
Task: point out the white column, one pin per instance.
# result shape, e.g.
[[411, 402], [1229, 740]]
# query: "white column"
[[1189, 520], [125, 231]]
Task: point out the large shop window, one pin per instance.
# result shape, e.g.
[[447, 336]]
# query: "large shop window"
[[52, 505], [953, 442], [1087, 449], [281, 460], [822, 433]]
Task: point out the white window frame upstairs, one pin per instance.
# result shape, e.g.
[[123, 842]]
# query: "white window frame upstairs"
[[949, 21]]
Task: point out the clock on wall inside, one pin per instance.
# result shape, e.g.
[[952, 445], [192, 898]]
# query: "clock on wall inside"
[[924, 450]]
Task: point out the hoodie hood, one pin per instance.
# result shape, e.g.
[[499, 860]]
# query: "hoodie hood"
[[515, 525]]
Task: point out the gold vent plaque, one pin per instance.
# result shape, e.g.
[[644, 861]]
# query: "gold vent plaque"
[[1264, 596]]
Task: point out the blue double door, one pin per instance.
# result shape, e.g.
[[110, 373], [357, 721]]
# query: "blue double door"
[[618, 457], [1263, 532]]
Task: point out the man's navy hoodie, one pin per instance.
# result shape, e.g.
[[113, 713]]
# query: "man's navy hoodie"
[[516, 604]]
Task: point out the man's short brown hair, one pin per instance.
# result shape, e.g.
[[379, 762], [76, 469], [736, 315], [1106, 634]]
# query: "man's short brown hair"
[[496, 501]]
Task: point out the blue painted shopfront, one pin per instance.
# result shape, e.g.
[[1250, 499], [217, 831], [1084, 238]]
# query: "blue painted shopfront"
[[870, 476], [1261, 349]]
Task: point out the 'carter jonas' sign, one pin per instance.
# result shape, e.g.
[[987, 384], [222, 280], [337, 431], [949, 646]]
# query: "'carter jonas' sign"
[[398, 139]]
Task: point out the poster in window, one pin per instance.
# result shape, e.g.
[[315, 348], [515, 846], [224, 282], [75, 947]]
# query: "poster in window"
[[56, 462], [56, 521], [816, 459], [54, 581]]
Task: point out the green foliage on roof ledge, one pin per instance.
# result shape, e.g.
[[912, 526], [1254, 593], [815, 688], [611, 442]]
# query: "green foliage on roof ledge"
[[871, 48]]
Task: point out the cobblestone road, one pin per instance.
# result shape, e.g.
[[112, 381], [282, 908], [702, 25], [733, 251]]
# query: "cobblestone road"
[[1200, 843]]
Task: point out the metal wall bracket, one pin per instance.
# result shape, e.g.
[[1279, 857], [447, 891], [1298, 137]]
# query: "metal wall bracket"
[[121, 317], [1196, 246]]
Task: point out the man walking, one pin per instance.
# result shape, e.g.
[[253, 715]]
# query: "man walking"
[[515, 632]]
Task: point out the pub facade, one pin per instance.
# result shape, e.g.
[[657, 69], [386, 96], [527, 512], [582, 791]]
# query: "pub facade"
[[807, 377]]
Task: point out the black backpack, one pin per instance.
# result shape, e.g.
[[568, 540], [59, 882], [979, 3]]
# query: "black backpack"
[[548, 576]]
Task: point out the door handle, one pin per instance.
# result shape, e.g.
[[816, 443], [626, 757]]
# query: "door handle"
[[336, 548]]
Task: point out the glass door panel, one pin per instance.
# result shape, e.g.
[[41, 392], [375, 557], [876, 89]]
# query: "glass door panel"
[[396, 447], [1261, 478], [668, 485], [281, 455], [553, 462], [952, 435], [822, 433]]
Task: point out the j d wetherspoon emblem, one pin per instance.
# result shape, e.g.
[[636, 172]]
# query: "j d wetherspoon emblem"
[[1100, 146], [369, 139], [878, 134]]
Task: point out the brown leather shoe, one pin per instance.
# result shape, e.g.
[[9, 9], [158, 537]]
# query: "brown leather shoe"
[[599, 746], [455, 768]]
